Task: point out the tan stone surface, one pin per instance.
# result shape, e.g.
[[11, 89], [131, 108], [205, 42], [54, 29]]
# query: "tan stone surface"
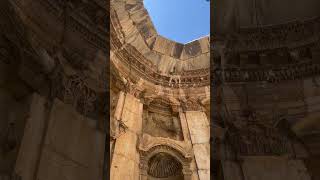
[[125, 146], [120, 103], [200, 134], [71, 139], [132, 113], [202, 155], [55, 166], [74, 133], [31, 142], [123, 168], [231, 170], [184, 126], [163, 45], [138, 30], [198, 127], [125, 161], [274, 168], [204, 174]]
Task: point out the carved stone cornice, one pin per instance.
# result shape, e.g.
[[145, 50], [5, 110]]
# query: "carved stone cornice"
[[271, 74], [88, 18], [292, 34], [147, 143], [132, 58], [129, 56]]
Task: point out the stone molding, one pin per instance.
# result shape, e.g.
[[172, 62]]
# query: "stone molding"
[[144, 69], [147, 144], [292, 34], [152, 146], [140, 19], [268, 74]]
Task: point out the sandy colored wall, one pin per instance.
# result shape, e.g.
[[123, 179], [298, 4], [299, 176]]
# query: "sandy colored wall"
[[72, 150], [199, 129], [125, 161]]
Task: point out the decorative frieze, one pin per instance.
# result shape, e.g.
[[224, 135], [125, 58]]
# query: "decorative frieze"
[[291, 34], [268, 74]]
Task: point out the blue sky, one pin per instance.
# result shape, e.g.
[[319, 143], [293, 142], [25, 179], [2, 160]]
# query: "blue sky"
[[180, 20]]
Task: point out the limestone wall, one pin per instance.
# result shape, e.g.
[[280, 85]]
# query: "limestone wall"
[[125, 160], [72, 148], [275, 169], [199, 130]]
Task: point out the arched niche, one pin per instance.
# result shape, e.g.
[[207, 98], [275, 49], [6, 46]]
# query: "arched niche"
[[163, 166], [161, 120], [176, 158]]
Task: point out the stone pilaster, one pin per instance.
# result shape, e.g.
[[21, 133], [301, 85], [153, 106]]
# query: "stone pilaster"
[[199, 130], [125, 161]]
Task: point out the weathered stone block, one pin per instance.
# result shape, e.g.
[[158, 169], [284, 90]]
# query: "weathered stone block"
[[202, 156]]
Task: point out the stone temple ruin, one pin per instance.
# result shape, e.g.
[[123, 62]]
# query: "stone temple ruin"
[[86, 83]]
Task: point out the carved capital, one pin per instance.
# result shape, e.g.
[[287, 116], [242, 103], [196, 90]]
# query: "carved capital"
[[191, 104], [134, 89]]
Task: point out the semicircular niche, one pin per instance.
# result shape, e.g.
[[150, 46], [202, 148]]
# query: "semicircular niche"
[[163, 165]]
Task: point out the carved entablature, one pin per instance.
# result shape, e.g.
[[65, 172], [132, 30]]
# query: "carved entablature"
[[146, 70], [142, 60], [270, 74], [147, 143], [292, 34], [88, 18]]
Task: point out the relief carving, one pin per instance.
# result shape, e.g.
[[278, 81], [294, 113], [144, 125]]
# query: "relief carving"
[[250, 135], [160, 120]]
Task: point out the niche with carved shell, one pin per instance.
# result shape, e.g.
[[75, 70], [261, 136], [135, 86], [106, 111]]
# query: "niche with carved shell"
[[160, 121]]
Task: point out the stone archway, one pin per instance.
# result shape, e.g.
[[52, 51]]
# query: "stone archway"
[[179, 161], [164, 166]]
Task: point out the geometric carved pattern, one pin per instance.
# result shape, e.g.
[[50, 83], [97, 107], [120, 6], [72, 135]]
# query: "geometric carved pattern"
[[151, 159], [163, 165]]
